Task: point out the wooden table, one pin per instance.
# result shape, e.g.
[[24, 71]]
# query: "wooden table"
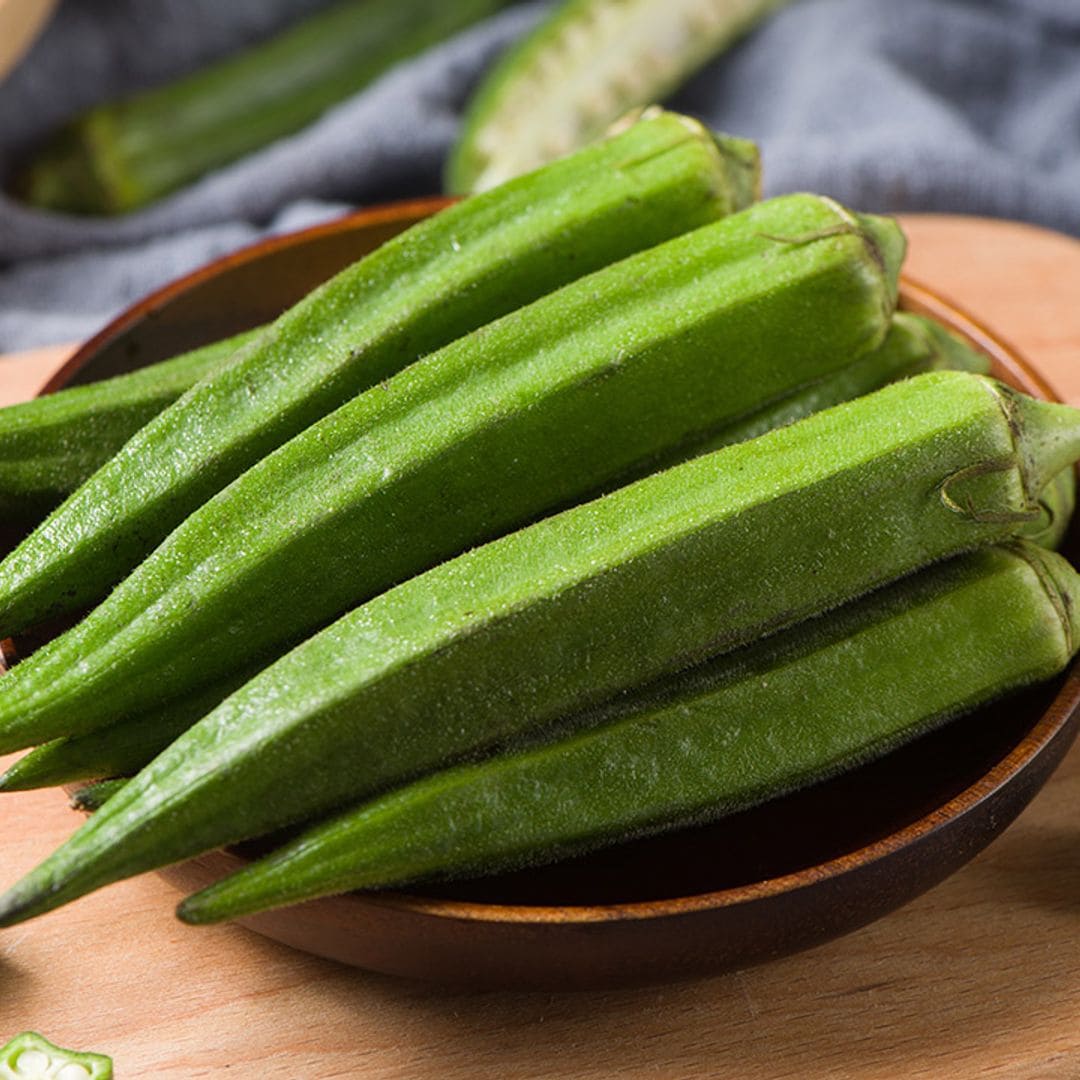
[[979, 978]]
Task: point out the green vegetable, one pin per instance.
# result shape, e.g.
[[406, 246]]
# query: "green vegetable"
[[124, 154], [570, 611], [120, 749], [94, 796], [914, 345], [528, 414], [435, 282], [50, 445], [125, 747], [586, 65], [31, 1057], [1056, 505], [786, 712]]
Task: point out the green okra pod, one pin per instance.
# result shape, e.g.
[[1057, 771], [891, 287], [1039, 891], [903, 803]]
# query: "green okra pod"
[[781, 714], [585, 66], [446, 276], [52, 444], [568, 612], [529, 414], [124, 154], [913, 346], [120, 749], [94, 796], [1056, 504]]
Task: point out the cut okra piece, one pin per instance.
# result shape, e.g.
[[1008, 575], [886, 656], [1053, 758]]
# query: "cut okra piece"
[[30, 1056], [585, 66]]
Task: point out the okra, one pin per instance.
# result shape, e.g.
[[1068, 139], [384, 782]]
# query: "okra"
[[526, 415], [94, 796], [574, 609], [124, 154], [125, 747], [120, 749], [30, 1056], [913, 345], [437, 281], [585, 66], [794, 709], [51, 445], [1056, 505]]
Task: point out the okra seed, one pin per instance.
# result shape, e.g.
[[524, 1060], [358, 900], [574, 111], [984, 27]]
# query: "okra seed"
[[31, 1063], [73, 1072]]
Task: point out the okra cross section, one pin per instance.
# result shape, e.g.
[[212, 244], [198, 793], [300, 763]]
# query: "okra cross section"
[[31, 1057]]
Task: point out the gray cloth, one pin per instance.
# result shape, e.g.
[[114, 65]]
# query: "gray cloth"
[[953, 105]]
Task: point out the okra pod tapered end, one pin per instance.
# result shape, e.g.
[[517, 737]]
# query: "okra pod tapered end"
[[94, 796]]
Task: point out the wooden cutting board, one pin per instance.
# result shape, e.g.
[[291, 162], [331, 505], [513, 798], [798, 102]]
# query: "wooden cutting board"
[[978, 978]]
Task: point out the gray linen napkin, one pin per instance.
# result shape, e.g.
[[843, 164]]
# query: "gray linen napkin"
[[957, 105]]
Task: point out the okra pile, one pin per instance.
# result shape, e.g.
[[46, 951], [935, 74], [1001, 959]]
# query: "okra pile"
[[607, 501]]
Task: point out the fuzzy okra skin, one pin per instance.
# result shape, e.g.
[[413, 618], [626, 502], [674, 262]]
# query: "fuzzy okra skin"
[[528, 414], [124, 154], [52, 444], [910, 347], [1056, 505], [586, 65], [568, 612], [914, 345], [120, 749], [794, 709], [437, 281]]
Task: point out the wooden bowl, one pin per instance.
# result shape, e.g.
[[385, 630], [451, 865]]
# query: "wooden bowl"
[[758, 885], [21, 21]]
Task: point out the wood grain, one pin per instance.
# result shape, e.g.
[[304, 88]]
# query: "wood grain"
[[23, 374], [980, 978]]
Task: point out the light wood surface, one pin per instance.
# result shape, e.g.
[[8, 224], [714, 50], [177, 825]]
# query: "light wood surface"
[[980, 978]]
